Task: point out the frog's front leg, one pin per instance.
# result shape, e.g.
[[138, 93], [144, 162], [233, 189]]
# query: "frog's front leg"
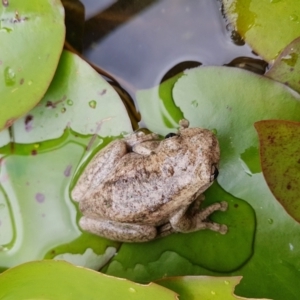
[[184, 221], [117, 231]]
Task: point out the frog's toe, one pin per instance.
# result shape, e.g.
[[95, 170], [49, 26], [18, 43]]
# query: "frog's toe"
[[224, 206], [223, 229]]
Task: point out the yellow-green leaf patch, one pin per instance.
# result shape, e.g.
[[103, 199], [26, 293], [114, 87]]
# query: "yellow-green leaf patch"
[[31, 39], [280, 161]]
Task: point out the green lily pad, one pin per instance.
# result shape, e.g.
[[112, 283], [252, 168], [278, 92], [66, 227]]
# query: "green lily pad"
[[61, 280], [37, 216], [230, 101], [286, 67], [203, 287], [23, 26], [267, 26], [280, 161]]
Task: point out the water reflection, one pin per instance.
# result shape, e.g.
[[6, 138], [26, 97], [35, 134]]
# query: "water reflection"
[[140, 41]]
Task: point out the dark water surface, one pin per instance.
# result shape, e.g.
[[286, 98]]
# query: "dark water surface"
[[138, 42]]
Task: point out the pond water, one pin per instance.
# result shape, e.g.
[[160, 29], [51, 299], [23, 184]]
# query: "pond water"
[[138, 42]]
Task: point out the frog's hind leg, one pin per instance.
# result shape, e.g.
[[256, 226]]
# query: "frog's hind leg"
[[117, 231], [184, 221]]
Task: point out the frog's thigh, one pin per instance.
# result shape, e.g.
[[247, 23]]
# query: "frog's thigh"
[[122, 232], [183, 222]]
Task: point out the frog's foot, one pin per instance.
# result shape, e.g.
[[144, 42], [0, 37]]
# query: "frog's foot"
[[117, 231], [184, 222], [184, 124], [165, 230]]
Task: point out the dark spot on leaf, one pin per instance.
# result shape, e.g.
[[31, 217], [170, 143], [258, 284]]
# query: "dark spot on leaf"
[[103, 92], [236, 205], [50, 104], [289, 186], [67, 171], [39, 197], [28, 122], [34, 152], [291, 69], [21, 81], [5, 3], [271, 139]]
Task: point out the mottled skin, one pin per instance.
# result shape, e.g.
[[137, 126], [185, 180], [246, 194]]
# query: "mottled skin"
[[140, 188]]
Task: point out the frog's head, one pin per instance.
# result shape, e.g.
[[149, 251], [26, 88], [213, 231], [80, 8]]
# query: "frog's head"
[[204, 148]]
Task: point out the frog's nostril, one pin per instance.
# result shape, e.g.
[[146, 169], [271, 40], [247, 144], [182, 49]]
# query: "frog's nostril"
[[170, 135], [214, 172]]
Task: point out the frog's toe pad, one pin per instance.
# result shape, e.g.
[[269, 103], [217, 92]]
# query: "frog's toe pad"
[[224, 206], [223, 229]]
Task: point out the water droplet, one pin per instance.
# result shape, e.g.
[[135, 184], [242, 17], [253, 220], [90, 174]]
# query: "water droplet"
[[69, 102], [291, 246], [293, 18], [36, 146], [132, 290], [29, 82], [274, 1], [270, 221], [93, 103], [63, 110], [226, 282], [213, 293], [9, 76], [194, 103]]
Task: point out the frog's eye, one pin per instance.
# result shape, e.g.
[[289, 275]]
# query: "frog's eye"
[[170, 135], [214, 172]]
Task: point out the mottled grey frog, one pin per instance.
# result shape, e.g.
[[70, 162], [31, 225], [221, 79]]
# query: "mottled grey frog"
[[140, 187]]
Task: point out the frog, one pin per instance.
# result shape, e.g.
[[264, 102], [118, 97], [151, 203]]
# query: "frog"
[[141, 187]]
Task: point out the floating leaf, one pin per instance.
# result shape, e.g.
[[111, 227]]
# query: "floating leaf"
[[203, 287], [37, 216], [230, 101], [267, 26], [26, 69], [280, 161], [61, 280], [286, 67]]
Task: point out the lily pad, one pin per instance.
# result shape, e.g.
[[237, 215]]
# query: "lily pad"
[[61, 280], [23, 26], [286, 67], [37, 216], [230, 101], [267, 26], [203, 287], [280, 161]]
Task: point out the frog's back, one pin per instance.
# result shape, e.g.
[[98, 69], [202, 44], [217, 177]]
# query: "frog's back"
[[148, 192]]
